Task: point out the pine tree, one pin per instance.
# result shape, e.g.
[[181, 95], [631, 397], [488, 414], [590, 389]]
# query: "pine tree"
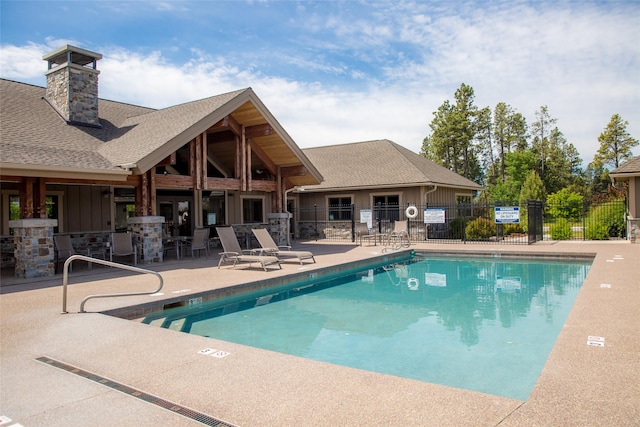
[[532, 189], [540, 129], [615, 143], [454, 130]]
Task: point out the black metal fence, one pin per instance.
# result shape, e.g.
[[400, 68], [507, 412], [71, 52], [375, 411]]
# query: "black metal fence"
[[506, 223], [579, 220]]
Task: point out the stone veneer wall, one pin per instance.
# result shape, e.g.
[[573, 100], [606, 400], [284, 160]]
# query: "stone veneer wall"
[[245, 236], [307, 230], [634, 230], [34, 250], [7, 249], [278, 226], [147, 235], [73, 91]]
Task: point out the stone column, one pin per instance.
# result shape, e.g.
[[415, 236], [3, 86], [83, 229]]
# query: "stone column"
[[278, 226], [634, 230], [147, 237], [33, 247]]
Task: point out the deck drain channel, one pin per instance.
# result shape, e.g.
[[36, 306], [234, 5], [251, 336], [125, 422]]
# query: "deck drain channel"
[[173, 407]]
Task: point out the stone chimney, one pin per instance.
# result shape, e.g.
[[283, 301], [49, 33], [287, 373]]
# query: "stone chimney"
[[72, 84]]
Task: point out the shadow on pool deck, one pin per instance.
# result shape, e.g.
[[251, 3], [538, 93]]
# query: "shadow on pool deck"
[[580, 385]]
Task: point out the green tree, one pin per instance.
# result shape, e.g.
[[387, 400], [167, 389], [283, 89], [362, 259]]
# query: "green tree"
[[615, 143], [437, 146], [563, 163], [454, 130], [540, 130], [484, 140], [597, 179], [509, 132], [532, 189], [518, 166]]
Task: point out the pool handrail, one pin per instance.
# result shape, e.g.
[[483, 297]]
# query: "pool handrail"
[[65, 280]]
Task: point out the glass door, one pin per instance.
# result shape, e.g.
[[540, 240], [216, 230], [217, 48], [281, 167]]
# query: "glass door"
[[177, 213]]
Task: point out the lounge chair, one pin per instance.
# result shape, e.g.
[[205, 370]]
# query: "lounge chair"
[[233, 252], [122, 245], [269, 247], [64, 249]]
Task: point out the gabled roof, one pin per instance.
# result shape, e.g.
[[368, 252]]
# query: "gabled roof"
[[628, 169], [36, 141], [379, 164]]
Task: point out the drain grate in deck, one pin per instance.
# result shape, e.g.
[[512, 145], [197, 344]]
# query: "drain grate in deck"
[[173, 407]]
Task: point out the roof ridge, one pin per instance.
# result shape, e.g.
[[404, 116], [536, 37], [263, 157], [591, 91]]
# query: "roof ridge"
[[235, 92], [194, 102], [403, 151], [23, 83], [347, 143]]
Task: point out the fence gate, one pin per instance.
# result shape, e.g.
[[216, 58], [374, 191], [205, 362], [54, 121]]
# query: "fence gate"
[[535, 215]]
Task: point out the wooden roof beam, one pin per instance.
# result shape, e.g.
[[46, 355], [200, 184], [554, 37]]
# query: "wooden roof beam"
[[293, 171], [258, 130], [171, 160], [228, 123], [268, 162], [218, 165]]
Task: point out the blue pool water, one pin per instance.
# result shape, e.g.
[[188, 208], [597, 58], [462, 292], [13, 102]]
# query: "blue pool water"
[[486, 325]]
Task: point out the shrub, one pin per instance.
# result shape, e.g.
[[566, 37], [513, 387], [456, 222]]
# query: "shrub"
[[596, 231], [606, 220], [561, 230], [480, 228], [512, 228], [456, 228], [565, 204]]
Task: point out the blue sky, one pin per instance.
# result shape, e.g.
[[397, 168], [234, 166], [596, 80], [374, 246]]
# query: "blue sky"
[[344, 71]]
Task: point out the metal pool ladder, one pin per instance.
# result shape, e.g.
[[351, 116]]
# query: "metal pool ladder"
[[65, 280]]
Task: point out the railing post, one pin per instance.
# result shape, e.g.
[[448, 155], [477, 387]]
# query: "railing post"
[[584, 221], [315, 220], [408, 223], [353, 223]]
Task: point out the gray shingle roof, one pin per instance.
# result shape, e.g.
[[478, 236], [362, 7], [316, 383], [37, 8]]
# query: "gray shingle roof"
[[52, 142], [148, 132], [630, 167], [128, 132], [34, 137], [380, 163]]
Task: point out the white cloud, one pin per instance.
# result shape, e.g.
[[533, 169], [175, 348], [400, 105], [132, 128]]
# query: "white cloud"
[[579, 59]]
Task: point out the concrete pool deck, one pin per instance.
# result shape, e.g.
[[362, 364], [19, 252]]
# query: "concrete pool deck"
[[581, 384]]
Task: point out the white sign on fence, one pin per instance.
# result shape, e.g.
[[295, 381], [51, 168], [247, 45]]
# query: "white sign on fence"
[[366, 217], [507, 214], [434, 216]]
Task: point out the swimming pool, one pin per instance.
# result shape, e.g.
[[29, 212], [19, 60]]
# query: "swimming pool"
[[481, 324]]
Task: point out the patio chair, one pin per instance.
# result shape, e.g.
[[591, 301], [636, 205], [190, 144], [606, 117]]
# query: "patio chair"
[[363, 232], [233, 253], [64, 249], [199, 242], [395, 238], [122, 245], [269, 247]]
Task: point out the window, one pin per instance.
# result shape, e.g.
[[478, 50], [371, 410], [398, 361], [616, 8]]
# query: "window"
[[463, 206], [339, 208], [386, 207], [213, 207], [252, 210]]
